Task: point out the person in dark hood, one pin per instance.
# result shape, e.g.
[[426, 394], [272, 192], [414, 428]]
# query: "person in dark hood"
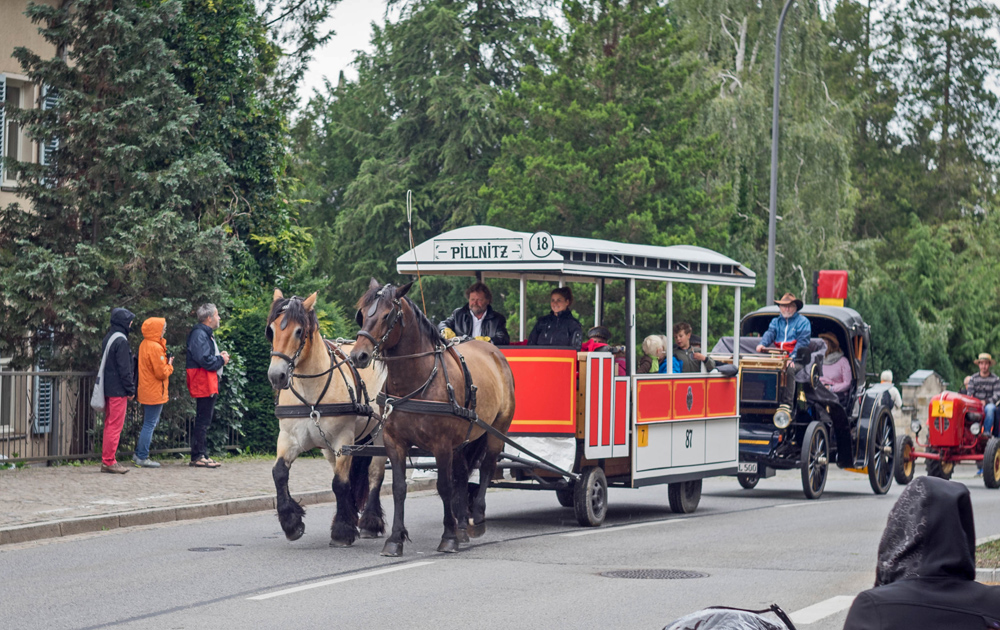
[[119, 387], [926, 570], [558, 328]]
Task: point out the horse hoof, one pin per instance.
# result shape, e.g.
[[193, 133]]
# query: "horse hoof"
[[448, 545], [367, 534], [462, 536], [392, 549], [340, 544], [477, 529], [296, 533]]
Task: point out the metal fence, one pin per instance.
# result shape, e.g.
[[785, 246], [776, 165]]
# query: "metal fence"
[[46, 416]]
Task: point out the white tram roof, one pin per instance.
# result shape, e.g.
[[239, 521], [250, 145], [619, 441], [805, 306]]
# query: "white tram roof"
[[502, 253]]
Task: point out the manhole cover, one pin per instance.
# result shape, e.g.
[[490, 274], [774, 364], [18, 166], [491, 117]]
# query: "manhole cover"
[[654, 574], [207, 549]]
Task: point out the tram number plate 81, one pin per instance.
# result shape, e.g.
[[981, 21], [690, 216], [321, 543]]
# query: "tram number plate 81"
[[747, 467]]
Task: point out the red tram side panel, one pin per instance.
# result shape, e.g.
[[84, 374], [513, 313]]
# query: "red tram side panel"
[[545, 384], [607, 417]]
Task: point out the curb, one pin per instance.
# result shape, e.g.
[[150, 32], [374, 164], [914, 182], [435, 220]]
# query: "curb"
[[105, 522]]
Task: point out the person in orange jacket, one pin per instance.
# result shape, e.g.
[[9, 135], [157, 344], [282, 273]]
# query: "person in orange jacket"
[[155, 368]]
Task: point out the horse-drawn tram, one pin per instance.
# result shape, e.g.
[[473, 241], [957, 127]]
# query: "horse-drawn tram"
[[579, 424]]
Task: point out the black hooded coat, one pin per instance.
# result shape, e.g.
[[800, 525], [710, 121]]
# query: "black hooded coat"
[[927, 566], [119, 378]]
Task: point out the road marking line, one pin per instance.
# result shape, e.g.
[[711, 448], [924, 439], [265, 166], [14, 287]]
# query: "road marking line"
[[812, 614], [602, 530], [346, 578]]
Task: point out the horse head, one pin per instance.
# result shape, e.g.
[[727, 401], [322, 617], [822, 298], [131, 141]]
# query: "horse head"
[[290, 328], [380, 319]]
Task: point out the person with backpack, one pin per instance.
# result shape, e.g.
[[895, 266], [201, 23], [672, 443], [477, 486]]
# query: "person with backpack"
[[119, 386], [155, 368]]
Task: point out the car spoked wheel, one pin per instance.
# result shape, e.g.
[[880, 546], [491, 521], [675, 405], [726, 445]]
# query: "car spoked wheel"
[[815, 459], [590, 497], [991, 463], [905, 464], [881, 453]]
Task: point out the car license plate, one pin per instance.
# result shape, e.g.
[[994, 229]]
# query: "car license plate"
[[747, 467]]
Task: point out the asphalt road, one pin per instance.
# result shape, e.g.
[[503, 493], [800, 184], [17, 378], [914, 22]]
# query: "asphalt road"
[[535, 568]]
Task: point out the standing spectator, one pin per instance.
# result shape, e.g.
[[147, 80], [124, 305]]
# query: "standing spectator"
[[926, 571], [155, 368], [119, 388], [477, 319], [204, 367], [897, 404]]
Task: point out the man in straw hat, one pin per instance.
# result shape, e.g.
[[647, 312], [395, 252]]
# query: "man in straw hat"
[[985, 386], [790, 332]]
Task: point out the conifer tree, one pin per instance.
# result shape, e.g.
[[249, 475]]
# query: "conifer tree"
[[107, 220]]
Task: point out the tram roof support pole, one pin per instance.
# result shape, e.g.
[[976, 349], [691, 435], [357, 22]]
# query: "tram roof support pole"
[[522, 306], [631, 326], [736, 328], [670, 328], [704, 323], [773, 206]]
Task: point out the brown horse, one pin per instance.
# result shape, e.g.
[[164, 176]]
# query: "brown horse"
[[322, 403], [421, 370]]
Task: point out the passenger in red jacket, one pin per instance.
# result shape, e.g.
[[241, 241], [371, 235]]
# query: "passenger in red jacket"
[[204, 367]]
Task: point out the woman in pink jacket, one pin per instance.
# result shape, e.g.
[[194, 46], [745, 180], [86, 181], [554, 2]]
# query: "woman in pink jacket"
[[836, 367]]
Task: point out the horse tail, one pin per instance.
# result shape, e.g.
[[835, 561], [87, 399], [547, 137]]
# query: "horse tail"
[[359, 480]]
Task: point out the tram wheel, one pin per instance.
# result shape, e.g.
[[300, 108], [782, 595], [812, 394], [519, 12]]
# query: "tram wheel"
[[991, 463], [815, 459], [882, 453], [684, 496], [938, 468], [905, 463], [749, 482], [590, 497], [565, 497]]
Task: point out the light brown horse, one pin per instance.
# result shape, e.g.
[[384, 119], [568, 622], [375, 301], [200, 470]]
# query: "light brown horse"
[[322, 398], [422, 369]]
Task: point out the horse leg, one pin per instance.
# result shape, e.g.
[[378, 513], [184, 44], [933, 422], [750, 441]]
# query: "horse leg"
[[290, 513], [445, 488], [344, 528], [397, 457], [460, 495], [486, 469], [373, 518]]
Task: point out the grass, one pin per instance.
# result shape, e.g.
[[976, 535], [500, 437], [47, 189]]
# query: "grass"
[[988, 555]]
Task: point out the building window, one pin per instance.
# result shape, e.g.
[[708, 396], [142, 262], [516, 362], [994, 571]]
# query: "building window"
[[15, 144]]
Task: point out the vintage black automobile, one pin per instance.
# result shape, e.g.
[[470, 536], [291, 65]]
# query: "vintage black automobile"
[[854, 430]]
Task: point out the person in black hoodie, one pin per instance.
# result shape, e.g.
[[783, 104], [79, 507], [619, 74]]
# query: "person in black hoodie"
[[119, 387], [558, 328], [926, 570]]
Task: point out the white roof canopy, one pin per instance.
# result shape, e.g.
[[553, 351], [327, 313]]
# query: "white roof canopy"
[[502, 253]]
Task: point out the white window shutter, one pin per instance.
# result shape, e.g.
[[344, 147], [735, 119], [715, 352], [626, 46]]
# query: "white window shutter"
[[3, 120], [47, 153]]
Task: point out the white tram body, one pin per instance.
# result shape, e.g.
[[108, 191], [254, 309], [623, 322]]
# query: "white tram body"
[[640, 429]]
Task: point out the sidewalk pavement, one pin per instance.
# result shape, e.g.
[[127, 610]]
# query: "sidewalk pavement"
[[47, 502]]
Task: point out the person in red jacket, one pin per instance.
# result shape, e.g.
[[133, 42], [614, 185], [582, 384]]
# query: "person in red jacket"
[[204, 367]]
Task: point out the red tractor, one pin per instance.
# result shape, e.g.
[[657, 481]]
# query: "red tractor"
[[954, 434]]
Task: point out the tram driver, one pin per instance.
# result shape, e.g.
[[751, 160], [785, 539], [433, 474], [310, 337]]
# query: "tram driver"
[[477, 319], [790, 331]]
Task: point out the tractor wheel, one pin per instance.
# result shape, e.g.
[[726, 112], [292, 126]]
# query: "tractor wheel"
[[882, 453], [749, 482], [590, 497], [938, 468], [565, 497], [684, 496], [815, 459], [905, 463], [991, 463]]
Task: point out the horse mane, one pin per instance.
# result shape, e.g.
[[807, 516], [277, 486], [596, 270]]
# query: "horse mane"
[[424, 325], [294, 311]]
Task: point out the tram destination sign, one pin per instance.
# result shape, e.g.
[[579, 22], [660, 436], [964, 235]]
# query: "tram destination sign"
[[486, 250]]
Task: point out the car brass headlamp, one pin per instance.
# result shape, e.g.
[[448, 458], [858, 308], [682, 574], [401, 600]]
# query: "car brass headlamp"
[[915, 426], [782, 418]]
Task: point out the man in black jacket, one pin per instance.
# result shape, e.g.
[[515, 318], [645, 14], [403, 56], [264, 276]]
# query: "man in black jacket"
[[119, 387], [477, 319], [926, 572]]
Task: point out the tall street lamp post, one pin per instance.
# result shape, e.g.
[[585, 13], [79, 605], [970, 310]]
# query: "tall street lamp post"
[[773, 213]]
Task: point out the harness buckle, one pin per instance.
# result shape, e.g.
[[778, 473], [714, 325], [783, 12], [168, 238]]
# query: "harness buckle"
[[314, 416]]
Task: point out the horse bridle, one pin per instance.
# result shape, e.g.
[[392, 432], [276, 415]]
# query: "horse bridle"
[[396, 317], [302, 343]]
